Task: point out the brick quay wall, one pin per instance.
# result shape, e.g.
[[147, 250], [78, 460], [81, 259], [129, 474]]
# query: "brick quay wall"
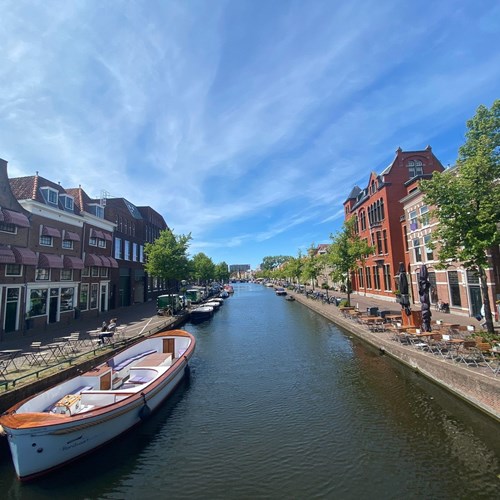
[[479, 388]]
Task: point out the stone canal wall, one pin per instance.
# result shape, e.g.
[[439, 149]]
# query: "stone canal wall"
[[477, 388]]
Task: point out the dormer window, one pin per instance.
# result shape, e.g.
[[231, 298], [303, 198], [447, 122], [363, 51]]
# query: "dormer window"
[[415, 168], [50, 195], [67, 202], [96, 210]]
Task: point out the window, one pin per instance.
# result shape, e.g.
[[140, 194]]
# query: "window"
[[379, 243], [415, 168], [413, 220], [454, 288], [96, 210], [83, 303], [50, 195], [368, 277], [429, 255], [118, 248], [417, 250], [134, 252], [37, 305], [13, 270], [93, 295], [45, 241], [363, 220], [126, 250], [141, 253], [85, 272], [387, 277], [7, 227], [67, 202], [376, 278], [68, 244], [95, 272], [42, 274], [424, 215], [66, 274], [384, 237], [101, 243], [361, 278], [67, 296], [93, 241], [104, 272]]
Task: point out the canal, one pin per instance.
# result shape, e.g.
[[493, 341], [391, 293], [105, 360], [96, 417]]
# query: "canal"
[[281, 404]]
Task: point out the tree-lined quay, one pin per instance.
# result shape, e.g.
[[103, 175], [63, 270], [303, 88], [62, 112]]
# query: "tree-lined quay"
[[458, 226]]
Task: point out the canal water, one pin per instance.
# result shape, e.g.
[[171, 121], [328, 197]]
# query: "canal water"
[[282, 404]]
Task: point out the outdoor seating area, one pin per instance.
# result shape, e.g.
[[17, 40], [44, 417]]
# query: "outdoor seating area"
[[450, 341]]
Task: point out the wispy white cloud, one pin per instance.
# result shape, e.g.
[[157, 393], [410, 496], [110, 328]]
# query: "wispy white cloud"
[[240, 123]]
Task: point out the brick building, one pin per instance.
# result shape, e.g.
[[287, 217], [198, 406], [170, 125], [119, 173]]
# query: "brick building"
[[455, 285], [377, 209]]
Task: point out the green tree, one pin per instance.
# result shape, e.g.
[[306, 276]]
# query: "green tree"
[[203, 268], [270, 263], [312, 266], [467, 200], [346, 253], [167, 258], [222, 272], [293, 267]]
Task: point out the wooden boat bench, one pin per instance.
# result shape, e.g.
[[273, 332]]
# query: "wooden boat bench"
[[122, 368]]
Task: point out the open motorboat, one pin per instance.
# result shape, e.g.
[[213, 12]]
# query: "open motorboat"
[[280, 291], [201, 313], [73, 418]]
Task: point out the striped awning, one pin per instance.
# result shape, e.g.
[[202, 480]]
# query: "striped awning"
[[25, 256], [51, 231], [50, 260], [7, 256], [93, 260], [68, 235], [113, 262], [73, 262], [15, 218], [94, 233]]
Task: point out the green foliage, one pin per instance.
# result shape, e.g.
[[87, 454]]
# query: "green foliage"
[[202, 268], [270, 263], [344, 303], [346, 253], [467, 199], [222, 272], [166, 258]]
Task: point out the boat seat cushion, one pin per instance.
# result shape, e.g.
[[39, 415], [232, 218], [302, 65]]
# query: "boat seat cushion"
[[127, 361]]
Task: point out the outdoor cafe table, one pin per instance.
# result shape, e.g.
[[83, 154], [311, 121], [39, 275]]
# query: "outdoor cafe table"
[[393, 317], [9, 355]]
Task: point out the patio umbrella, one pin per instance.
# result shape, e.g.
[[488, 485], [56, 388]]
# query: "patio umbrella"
[[423, 290], [404, 289]]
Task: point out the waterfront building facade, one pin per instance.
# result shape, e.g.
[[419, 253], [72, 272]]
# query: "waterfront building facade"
[[456, 286], [378, 211]]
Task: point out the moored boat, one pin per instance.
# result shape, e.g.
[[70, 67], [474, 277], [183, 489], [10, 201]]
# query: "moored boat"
[[280, 291], [201, 313], [71, 419]]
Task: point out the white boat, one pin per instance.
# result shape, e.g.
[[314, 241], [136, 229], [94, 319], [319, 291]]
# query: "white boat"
[[213, 303], [280, 291], [56, 426], [201, 313]]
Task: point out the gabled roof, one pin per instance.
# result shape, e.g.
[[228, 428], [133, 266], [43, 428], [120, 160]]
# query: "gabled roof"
[[81, 198], [354, 193], [30, 188]]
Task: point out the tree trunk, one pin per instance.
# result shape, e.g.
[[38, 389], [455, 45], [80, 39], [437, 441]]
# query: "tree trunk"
[[486, 301]]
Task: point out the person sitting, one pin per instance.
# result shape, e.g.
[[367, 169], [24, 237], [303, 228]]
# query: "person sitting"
[[109, 332]]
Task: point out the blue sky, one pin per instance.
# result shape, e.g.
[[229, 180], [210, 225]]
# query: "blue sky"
[[244, 123]]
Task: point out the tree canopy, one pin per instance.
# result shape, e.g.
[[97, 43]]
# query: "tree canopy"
[[203, 269], [270, 263], [466, 200], [346, 253], [167, 258]]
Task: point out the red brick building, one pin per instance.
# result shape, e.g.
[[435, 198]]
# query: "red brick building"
[[378, 211]]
